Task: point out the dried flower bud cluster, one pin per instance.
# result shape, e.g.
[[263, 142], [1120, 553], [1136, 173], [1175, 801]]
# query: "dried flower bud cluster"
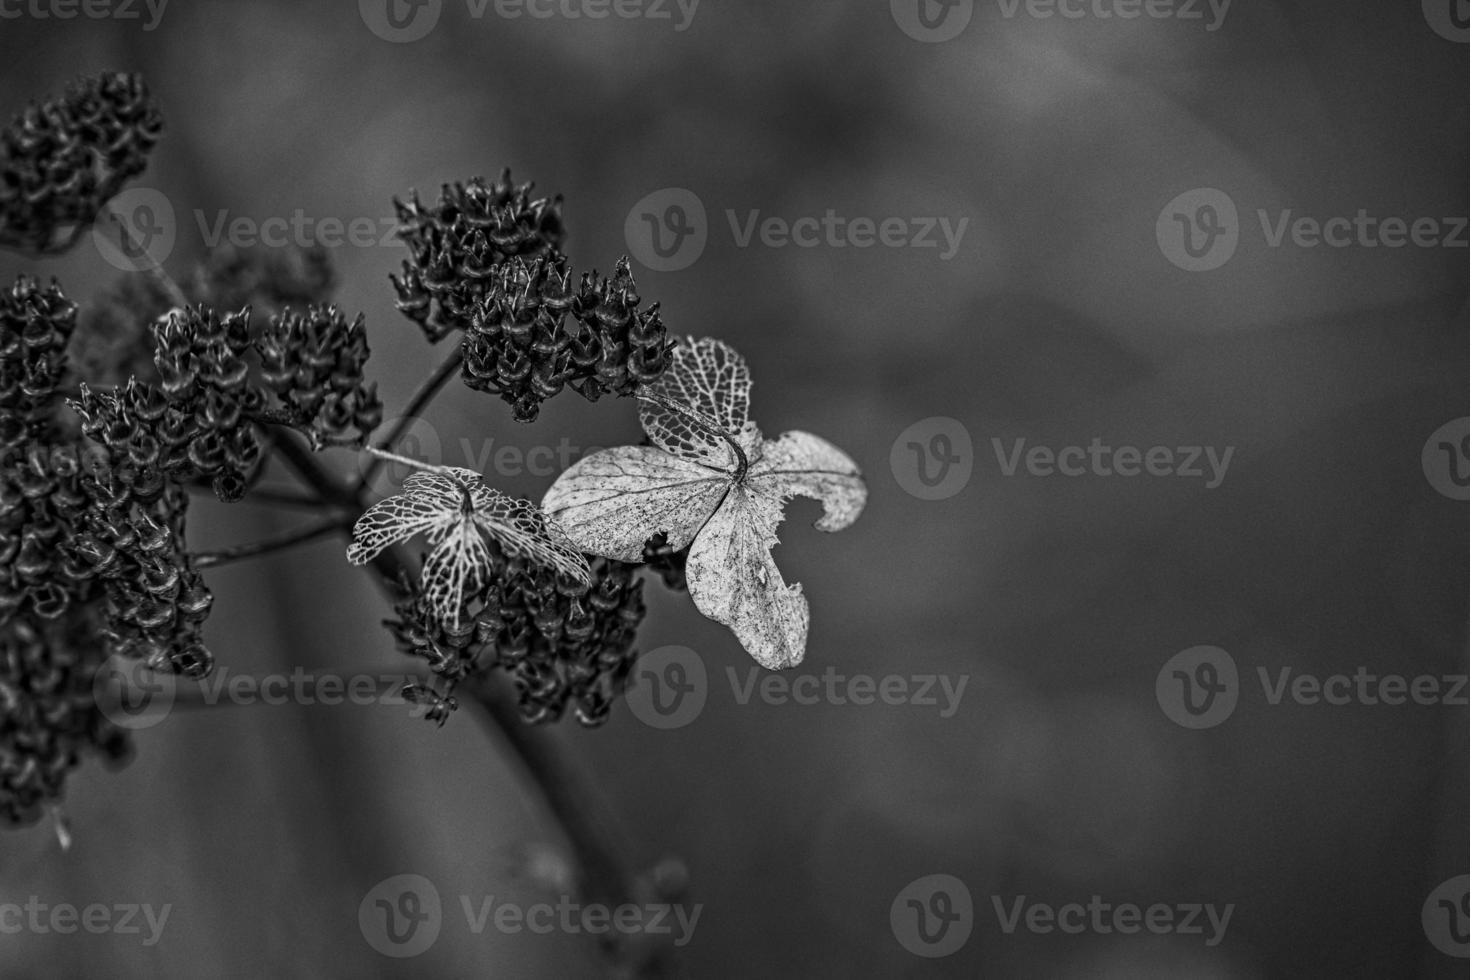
[[35, 327], [199, 421], [156, 603], [87, 570], [61, 160], [487, 261], [313, 362], [533, 334], [195, 423], [456, 247], [92, 563], [79, 517], [564, 642], [115, 343], [50, 714]]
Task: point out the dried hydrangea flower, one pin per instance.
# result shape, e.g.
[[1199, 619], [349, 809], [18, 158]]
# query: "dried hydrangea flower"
[[711, 483], [457, 512], [62, 160]]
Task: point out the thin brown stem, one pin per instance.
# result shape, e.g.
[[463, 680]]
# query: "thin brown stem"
[[277, 497], [329, 488], [280, 542], [416, 404], [175, 294], [603, 876], [306, 687]]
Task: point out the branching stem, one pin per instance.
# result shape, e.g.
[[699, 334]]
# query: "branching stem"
[[280, 542], [416, 404], [602, 871]]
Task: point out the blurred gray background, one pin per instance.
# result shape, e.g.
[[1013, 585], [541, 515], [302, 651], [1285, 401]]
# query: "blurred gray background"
[[1060, 318]]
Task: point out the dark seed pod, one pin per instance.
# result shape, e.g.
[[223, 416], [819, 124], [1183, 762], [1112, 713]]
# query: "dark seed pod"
[[561, 648], [63, 159], [456, 246], [532, 334]]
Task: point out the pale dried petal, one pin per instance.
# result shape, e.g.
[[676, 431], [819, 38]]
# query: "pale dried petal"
[[685, 486], [440, 486], [801, 463], [610, 502], [522, 529], [392, 521], [711, 383], [733, 580], [455, 510], [456, 565]]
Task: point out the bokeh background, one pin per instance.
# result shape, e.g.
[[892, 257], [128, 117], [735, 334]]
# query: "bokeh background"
[[1326, 548]]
